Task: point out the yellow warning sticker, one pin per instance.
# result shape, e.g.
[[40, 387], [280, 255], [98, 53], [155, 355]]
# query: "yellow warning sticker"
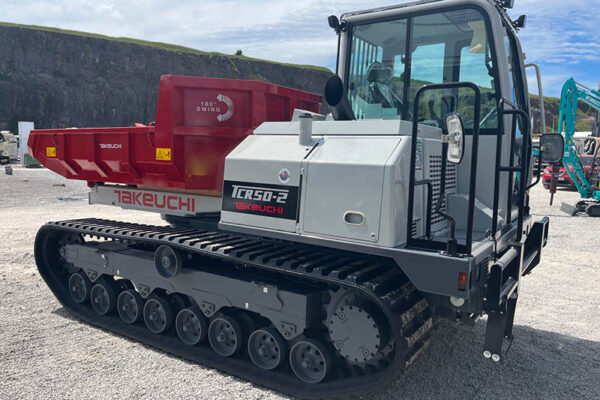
[[50, 151], [163, 154]]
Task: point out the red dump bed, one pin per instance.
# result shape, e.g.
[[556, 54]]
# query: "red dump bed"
[[198, 122]]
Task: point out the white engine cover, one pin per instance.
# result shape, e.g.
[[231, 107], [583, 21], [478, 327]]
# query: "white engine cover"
[[262, 183], [353, 188], [344, 187]]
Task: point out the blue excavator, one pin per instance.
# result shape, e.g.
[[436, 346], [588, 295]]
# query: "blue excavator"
[[587, 184]]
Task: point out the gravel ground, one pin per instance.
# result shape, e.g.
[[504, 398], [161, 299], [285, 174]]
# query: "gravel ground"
[[45, 353]]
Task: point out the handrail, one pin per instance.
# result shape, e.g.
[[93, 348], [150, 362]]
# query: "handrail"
[[523, 168], [538, 75], [498, 161], [475, 146], [538, 178]]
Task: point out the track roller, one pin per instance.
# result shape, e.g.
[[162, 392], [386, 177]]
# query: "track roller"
[[267, 348], [158, 314], [80, 287], [103, 296], [310, 360], [130, 306], [191, 326], [167, 261], [225, 335]]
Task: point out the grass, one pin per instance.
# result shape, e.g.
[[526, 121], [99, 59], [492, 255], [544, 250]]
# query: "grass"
[[159, 45]]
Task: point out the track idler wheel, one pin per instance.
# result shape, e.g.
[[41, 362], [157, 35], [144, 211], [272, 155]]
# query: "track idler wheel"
[[310, 360], [103, 296], [225, 335], [267, 348], [158, 314], [191, 326], [130, 306], [167, 261], [80, 287]]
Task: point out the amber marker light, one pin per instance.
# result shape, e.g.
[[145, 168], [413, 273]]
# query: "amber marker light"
[[462, 281]]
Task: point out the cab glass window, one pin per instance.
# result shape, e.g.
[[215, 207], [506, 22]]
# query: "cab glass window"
[[386, 70]]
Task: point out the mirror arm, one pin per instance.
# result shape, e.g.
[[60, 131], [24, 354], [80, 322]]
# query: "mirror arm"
[[539, 170]]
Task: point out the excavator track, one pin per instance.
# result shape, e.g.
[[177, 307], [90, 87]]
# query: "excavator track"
[[377, 279]]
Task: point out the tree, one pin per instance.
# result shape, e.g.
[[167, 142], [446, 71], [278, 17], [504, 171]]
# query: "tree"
[[238, 52]]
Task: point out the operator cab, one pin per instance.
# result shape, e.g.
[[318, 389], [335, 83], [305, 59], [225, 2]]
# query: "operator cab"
[[387, 55]]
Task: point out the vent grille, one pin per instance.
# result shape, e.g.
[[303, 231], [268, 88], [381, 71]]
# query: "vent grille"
[[435, 174]]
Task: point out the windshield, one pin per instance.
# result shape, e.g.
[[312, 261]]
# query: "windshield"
[[386, 69]]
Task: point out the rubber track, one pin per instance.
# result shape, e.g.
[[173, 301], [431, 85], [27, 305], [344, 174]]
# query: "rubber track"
[[376, 278]]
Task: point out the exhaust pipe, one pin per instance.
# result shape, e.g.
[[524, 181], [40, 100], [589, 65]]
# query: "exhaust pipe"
[[338, 102]]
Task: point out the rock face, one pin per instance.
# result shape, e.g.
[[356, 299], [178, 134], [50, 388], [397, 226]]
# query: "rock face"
[[585, 115], [60, 80]]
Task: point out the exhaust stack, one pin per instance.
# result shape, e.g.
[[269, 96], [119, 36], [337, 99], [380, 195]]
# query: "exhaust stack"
[[338, 102]]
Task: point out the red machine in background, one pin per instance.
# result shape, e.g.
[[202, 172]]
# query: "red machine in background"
[[198, 122], [587, 162]]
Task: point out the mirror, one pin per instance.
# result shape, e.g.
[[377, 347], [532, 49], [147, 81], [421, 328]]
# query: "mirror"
[[454, 138], [551, 148], [521, 22]]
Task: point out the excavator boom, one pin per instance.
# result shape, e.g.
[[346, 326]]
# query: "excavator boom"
[[572, 93]]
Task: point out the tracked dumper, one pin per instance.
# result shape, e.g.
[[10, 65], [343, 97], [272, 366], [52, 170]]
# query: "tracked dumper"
[[310, 253]]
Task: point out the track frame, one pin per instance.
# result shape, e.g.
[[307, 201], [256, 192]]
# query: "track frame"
[[411, 327]]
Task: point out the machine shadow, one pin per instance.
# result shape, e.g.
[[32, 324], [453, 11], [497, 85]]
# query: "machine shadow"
[[63, 312], [539, 365]]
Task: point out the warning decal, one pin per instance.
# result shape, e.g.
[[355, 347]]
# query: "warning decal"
[[163, 154], [50, 151]]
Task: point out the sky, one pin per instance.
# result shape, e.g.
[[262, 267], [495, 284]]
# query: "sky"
[[562, 36]]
